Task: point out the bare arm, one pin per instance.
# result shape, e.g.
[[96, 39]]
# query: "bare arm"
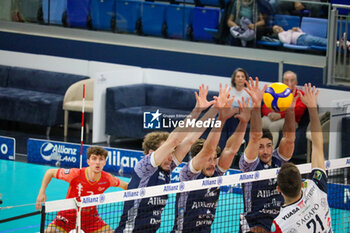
[[310, 100], [235, 141], [223, 104], [255, 134], [231, 21], [123, 184], [179, 134], [286, 147], [46, 180]]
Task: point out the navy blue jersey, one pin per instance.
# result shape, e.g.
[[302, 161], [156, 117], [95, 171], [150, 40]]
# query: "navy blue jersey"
[[262, 201], [195, 211], [144, 215]]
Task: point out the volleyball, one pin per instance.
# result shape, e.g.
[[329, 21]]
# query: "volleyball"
[[278, 97]]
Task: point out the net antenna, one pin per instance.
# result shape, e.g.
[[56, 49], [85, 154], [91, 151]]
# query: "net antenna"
[[78, 221]]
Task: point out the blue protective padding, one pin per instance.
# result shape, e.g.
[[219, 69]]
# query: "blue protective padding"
[[319, 48], [297, 47], [204, 18], [78, 12], [102, 13], [314, 26], [210, 2], [269, 43], [286, 21], [128, 12], [153, 18], [178, 18], [53, 11]]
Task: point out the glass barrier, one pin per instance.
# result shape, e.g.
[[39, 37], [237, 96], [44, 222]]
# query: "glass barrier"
[[268, 24]]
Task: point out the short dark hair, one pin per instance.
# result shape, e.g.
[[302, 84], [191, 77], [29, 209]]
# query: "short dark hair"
[[96, 150], [152, 141], [234, 75], [267, 134], [289, 180], [198, 145]]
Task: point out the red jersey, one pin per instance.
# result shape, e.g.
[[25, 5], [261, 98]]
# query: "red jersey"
[[79, 177], [299, 109]]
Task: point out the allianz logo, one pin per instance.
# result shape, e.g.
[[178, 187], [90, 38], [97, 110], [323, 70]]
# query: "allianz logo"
[[168, 188], [246, 176], [114, 159], [208, 182], [131, 194], [87, 200], [50, 151]]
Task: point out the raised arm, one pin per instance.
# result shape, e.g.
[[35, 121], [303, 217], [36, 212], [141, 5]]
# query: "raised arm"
[[181, 150], [235, 141], [46, 180], [255, 134], [310, 100], [286, 147], [223, 104], [179, 134]]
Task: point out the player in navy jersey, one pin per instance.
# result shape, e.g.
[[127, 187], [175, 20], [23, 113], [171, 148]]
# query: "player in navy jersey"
[[195, 211], [306, 209], [261, 200], [144, 215]]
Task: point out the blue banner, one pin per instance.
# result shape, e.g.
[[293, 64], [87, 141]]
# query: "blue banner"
[[338, 196], [7, 148], [62, 154]]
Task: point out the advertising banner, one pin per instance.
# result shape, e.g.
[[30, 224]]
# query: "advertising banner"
[[7, 148]]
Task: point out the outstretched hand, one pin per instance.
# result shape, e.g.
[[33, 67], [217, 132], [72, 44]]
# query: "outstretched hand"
[[201, 98], [254, 91], [244, 111], [223, 98], [310, 96], [227, 111]]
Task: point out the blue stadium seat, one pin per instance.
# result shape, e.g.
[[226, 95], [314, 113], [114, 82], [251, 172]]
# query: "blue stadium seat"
[[153, 18], [210, 2], [103, 14], [204, 18], [128, 14], [315, 26], [178, 18], [53, 11], [286, 21], [78, 13]]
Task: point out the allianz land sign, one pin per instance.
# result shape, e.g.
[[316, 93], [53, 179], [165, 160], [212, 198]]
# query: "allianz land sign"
[[7, 148]]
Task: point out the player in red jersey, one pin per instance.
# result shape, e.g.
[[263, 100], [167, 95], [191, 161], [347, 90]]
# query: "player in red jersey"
[[82, 182]]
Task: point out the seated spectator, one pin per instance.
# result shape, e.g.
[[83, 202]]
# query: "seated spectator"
[[244, 23], [298, 37], [274, 121], [300, 8], [238, 78]]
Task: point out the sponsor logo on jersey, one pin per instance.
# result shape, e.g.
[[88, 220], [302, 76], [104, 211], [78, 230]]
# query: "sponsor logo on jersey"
[[66, 171], [317, 175], [100, 189], [292, 212]]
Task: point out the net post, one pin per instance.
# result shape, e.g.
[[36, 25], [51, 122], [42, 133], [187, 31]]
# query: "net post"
[[43, 218], [78, 219]]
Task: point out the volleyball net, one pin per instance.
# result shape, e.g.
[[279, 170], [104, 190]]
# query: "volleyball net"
[[105, 210]]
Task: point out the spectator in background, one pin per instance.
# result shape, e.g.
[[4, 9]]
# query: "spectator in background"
[[298, 8], [245, 21], [298, 37], [274, 121], [238, 78]]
